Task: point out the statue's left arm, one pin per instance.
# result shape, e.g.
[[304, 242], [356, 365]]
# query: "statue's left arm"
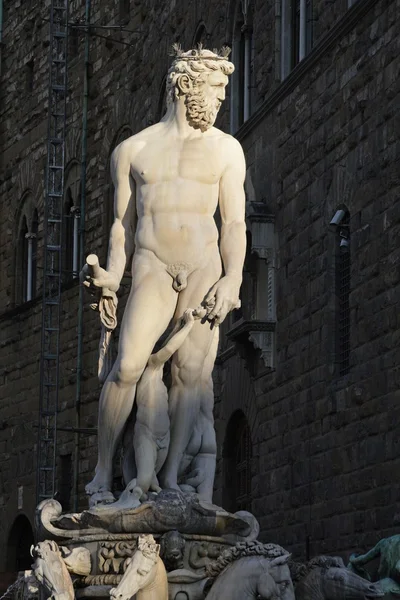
[[224, 295]]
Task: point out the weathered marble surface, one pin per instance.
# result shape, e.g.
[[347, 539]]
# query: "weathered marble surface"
[[170, 510]]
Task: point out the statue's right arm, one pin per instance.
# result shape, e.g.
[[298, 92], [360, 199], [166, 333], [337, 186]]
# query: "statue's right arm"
[[122, 234], [121, 242]]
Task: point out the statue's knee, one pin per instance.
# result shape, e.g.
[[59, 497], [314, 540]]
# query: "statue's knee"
[[128, 373]]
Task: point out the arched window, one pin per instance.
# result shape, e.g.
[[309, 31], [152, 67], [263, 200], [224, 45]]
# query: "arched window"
[[242, 57], [237, 454], [71, 220], [124, 133], [19, 543], [34, 232], [26, 252], [342, 285], [200, 36]]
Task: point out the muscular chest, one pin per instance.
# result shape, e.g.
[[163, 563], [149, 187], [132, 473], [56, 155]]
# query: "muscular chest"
[[195, 160]]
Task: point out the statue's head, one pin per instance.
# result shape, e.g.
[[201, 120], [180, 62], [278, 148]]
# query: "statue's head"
[[200, 77]]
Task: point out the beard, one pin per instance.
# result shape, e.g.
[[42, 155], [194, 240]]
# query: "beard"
[[200, 112]]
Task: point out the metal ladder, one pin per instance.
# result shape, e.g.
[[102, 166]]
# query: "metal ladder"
[[52, 252]]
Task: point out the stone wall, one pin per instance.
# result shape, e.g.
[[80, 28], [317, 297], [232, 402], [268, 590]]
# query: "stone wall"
[[325, 450], [324, 447]]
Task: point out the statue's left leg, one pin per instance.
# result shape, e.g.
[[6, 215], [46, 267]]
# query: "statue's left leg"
[[205, 461], [191, 392]]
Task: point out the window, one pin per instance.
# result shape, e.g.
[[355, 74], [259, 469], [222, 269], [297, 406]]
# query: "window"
[[124, 11], [29, 75], [33, 258], [242, 49], [26, 252], [200, 36], [342, 276], [73, 40], [237, 454], [71, 222], [296, 33]]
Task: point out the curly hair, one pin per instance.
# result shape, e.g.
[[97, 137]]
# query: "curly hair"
[[195, 64], [241, 550]]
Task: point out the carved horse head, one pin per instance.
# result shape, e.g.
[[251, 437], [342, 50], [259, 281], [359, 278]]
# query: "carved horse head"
[[142, 570], [343, 583], [328, 579], [276, 582]]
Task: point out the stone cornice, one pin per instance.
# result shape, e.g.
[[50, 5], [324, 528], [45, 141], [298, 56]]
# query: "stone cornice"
[[248, 326], [341, 28]]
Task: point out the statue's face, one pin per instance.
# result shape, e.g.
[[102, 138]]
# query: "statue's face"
[[204, 100]]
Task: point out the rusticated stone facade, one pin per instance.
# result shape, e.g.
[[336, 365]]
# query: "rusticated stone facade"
[[324, 452]]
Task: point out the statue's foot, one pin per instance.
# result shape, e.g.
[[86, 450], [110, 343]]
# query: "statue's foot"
[[187, 489], [170, 484], [99, 491], [101, 499], [98, 484], [130, 498]]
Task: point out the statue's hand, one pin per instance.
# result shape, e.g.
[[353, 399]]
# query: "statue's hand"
[[103, 279], [188, 316], [222, 298]]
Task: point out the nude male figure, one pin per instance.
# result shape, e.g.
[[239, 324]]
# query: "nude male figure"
[[169, 180]]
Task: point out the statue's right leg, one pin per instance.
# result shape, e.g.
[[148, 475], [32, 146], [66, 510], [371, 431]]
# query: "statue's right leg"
[[149, 309]]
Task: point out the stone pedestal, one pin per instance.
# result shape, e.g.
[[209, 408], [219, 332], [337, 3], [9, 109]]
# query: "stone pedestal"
[[189, 534]]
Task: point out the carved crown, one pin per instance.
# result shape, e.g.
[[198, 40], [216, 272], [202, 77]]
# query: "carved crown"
[[200, 53]]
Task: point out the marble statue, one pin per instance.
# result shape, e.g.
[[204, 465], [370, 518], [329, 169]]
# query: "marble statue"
[[51, 571], [388, 570], [145, 575], [326, 578], [169, 180], [53, 565], [251, 571]]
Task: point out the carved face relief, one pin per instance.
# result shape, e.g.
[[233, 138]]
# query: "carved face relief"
[[172, 549], [204, 100]]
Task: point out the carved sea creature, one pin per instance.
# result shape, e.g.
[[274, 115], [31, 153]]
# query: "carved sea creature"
[[145, 575], [326, 578], [51, 571], [249, 571]]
